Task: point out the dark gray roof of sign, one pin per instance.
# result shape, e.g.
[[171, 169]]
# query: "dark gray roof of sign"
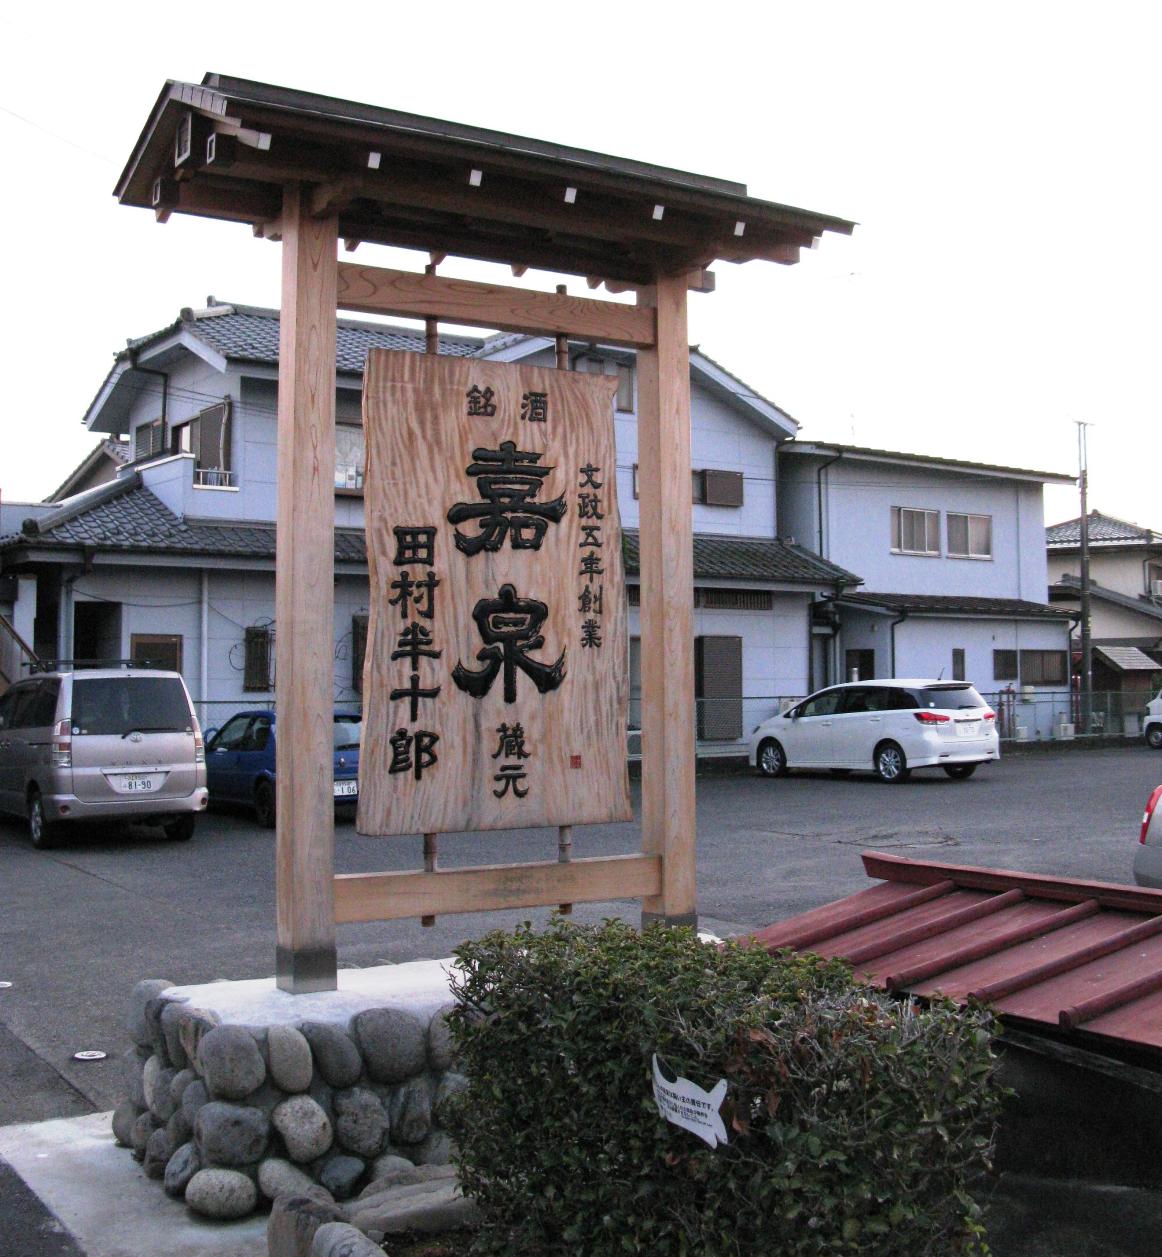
[[1104, 530], [947, 604], [768, 560]]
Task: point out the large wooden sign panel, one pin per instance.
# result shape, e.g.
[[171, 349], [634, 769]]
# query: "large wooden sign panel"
[[495, 686]]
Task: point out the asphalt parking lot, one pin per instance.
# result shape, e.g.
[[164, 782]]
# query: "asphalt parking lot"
[[79, 925]]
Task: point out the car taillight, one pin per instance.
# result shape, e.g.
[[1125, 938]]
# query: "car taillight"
[[989, 715], [199, 748], [931, 717], [1150, 806], [62, 745]]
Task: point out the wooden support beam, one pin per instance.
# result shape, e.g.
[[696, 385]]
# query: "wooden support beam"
[[304, 600], [667, 616], [375, 290], [490, 888]]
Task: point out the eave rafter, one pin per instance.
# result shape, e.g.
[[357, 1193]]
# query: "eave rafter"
[[227, 149]]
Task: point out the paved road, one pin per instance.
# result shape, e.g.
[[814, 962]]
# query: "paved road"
[[79, 925]]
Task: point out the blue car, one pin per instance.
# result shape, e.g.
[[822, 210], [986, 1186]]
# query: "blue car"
[[240, 761]]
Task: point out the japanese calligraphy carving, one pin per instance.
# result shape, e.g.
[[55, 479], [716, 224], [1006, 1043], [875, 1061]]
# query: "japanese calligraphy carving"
[[495, 686]]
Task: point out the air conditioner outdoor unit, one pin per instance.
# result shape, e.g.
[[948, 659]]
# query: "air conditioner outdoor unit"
[[1028, 693]]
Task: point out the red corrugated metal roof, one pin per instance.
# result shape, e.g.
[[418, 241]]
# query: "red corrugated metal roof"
[[1074, 955]]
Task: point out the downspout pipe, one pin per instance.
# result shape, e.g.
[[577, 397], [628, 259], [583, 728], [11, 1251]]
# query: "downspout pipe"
[[204, 634], [819, 495], [164, 396], [899, 620]]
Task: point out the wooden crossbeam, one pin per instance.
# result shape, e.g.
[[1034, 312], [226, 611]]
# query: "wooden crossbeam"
[[376, 290], [490, 888]]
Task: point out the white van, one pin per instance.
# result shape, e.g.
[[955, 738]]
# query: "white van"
[[101, 744]]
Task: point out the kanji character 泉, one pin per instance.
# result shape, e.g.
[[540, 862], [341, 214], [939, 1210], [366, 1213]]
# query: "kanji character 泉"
[[480, 402], [534, 407], [412, 752], [417, 594], [508, 479], [413, 545], [509, 626]]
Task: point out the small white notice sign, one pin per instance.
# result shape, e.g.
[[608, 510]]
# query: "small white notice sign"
[[686, 1104]]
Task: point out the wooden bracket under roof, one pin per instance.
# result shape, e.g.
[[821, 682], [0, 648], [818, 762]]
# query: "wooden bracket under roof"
[[398, 179]]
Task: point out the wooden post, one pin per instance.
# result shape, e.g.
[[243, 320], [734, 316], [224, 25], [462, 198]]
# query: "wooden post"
[[667, 605], [304, 601]]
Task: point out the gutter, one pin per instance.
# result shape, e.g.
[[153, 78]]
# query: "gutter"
[[902, 617], [819, 496]]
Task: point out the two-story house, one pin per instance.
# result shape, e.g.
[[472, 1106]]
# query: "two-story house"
[[1125, 596], [952, 563], [172, 561]]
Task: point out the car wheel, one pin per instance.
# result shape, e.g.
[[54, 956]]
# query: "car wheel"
[[42, 833], [1154, 737], [771, 759], [181, 828], [960, 772], [264, 804], [890, 764]]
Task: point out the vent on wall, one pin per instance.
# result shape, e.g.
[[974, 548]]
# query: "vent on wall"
[[734, 599]]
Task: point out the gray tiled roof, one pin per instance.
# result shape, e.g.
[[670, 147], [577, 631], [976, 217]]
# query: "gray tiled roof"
[[1103, 530], [949, 604], [1068, 589], [250, 334], [1127, 659], [751, 558], [134, 520]]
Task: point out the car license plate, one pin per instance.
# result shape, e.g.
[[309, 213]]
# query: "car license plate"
[[135, 785], [346, 789], [967, 728]]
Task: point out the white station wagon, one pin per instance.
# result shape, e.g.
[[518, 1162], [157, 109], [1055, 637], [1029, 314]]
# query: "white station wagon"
[[887, 727]]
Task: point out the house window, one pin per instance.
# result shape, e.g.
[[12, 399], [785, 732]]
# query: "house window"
[[624, 371], [208, 437], [1044, 667], [156, 650], [915, 531], [708, 487], [718, 687], [970, 536], [958, 664], [1004, 665], [148, 440], [257, 671], [350, 457]]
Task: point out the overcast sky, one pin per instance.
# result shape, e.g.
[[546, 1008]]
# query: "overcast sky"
[[999, 158]]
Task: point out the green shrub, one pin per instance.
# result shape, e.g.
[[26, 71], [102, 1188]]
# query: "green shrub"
[[855, 1121]]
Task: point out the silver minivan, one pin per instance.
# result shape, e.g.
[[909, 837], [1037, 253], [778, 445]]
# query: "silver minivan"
[[101, 744]]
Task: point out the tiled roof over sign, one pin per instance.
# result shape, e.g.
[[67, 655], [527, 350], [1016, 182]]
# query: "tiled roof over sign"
[[949, 604], [251, 334], [1103, 530], [1071, 956], [751, 558]]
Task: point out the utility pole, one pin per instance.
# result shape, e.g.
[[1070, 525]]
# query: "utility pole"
[[1086, 647]]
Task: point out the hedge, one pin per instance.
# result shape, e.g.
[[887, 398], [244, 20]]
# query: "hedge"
[[856, 1122]]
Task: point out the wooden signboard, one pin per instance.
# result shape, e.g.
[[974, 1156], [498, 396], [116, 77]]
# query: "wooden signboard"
[[495, 677]]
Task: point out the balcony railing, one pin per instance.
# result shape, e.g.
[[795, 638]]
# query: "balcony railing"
[[213, 478]]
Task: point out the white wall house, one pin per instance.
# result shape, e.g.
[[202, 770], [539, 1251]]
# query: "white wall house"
[[173, 560], [953, 565]]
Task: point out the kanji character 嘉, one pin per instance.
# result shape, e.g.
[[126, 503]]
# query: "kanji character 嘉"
[[508, 480]]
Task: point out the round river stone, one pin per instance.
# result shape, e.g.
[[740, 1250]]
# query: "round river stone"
[[231, 1062], [221, 1194], [336, 1056], [231, 1134], [304, 1127], [291, 1064], [394, 1043]]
